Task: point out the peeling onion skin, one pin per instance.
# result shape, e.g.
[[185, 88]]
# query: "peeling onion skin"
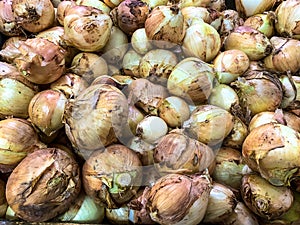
[[43, 185]]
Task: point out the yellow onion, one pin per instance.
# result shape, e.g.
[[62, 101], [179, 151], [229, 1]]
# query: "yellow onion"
[[229, 168], [146, 95], [264, 199], [272, 149], [43, 185], [34, 16], [263, 22], [130, 15], [46, 110], [249, 40], [223, 96], [18, 138], [95, 118], [140, 42], [8, 24], [118, 216], [157, 64], [16, 93], [230, 64], [177, 153], [89, 65], [248, 8], [95, 3], [70, 84], [258, 91], [131, 63], [174, 111], [191, 12], [62, 9], [3, 202], [112, 184], [83, 210], [209, 124], [221, 203], [87, 28], [179, 199], [241, 215], [151, 129], [201, 40], [192, 79], [39, 60], [287, 23], [116, 47], [165, 25], [285, 55]]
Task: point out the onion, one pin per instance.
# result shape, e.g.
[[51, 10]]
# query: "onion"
[[201, 40], [16, 93], [62, 9], [89, 65], [285, 55], [34, 16], [8, 24], [3, 202], [43, 185], [118, 216], [191, 12], [198, 3], [289, 91], [46, 111], [112, 184], [96, 4], [95, 118], [191, 79], [273, 150], [140, 42], [209, 124], [166, 26], [131, 63], [177, 153], [248, 8], [264, 199], [254, 43], [87, 28], [287, 23], [130, 15], [7, 68]]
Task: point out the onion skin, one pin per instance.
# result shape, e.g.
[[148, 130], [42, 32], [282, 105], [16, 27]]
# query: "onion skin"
[[264, 199], [8, 24], [43, 185], [112, 184], [248, 8], [274, 153], [3, 202]]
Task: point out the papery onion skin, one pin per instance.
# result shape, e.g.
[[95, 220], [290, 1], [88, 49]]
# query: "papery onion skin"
[[62, 9], [131, 63], [8, 25], [287, 23], [248, 8], [97, 4], [43, 185], [95, 118], [274, 153], [112, 176], [86, 28], [264, 199]]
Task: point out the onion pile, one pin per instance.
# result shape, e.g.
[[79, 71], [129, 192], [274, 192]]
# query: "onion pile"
[[150, 112]]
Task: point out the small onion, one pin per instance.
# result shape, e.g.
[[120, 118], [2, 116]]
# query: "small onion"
[[201, 40], [43, 185], [151, 129], [191, 79], [140, 42], [209, 124], [230, 64], [272, 149], [177, 153], [130, 15], [165, 25], [8, 24], [174, 111], [248, 8], [46, 110], [285, 55], [264, 199], [254, 43], [112, 184], [287, 23], [89, 65], [131, 63], [34, 16], [87, 28]]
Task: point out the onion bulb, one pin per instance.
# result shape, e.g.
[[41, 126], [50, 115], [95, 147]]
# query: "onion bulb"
[[248, 8], [87, 28], [272, 150], [112, 184], [140, 42], [43, 185], [8, 24]]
